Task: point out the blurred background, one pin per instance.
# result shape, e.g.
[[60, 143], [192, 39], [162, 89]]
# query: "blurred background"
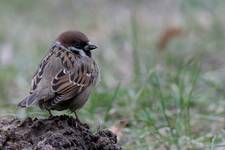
[[162, 66]]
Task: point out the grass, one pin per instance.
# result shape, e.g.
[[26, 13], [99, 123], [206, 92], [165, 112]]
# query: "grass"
[[172, 99]]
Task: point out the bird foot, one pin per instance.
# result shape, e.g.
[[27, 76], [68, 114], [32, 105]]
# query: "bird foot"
[[50, 113]]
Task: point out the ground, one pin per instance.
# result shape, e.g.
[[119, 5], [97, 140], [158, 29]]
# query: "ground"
[[58, 132]]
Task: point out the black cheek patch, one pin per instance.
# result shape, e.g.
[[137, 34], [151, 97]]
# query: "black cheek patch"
[[60, 74]]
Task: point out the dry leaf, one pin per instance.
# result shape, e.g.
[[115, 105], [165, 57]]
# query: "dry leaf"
[[118, 128], [168, 35]]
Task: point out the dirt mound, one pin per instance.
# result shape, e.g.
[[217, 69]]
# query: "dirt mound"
[[58, 132]]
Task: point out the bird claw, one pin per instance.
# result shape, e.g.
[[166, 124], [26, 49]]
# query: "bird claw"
[[50, 113]]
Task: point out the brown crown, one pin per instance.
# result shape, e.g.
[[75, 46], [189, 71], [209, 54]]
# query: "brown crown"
[[68, 38]]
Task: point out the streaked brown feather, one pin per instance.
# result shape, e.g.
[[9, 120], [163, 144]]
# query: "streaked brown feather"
[[64, 78], [38, 74], [73, 79]]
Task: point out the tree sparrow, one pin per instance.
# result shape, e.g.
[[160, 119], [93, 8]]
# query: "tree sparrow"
[[66, 75]]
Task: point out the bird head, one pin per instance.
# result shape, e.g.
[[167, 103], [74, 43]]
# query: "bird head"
[[76, 41]]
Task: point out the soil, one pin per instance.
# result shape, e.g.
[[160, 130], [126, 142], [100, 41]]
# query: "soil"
[[55, 133]]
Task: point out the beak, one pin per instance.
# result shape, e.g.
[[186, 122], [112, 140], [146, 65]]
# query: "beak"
[[90, 46]]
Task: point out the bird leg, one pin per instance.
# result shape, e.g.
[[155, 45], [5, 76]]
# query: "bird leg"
[[50, 113], [77, 118]]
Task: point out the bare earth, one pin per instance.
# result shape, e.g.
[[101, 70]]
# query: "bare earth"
[[58, 132]]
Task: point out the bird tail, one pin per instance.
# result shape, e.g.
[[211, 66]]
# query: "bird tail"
[[35, 97], [29, 100]]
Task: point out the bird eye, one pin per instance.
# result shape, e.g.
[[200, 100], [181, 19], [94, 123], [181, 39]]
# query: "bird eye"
[[77, 45]]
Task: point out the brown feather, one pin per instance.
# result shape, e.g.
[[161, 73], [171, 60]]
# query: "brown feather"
[[63, 79]]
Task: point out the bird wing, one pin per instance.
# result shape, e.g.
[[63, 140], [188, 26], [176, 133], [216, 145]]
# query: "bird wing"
[[78, 73], [35, 93], [40, 71]]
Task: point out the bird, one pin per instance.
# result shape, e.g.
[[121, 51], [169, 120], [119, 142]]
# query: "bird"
[[66, 75]]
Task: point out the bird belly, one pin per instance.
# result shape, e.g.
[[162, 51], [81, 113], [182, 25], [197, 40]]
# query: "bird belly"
[[79, 101], [73, 104]]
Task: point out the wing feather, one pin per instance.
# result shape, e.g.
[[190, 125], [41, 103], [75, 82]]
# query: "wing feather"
[[38, 74], [76, 74], [73, 79]]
